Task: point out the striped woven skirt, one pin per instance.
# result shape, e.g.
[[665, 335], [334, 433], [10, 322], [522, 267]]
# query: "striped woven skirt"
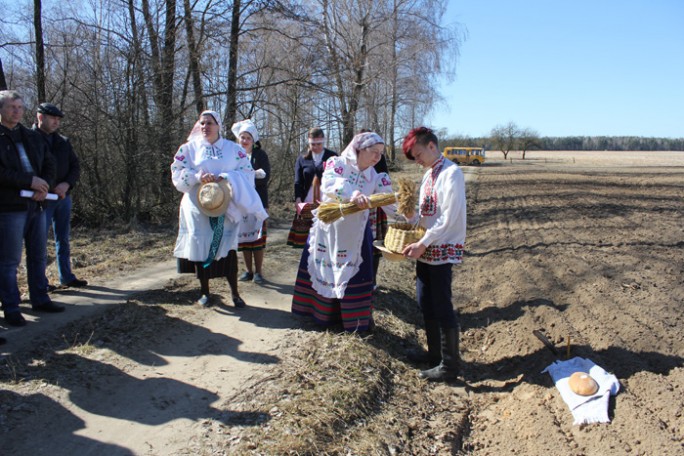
[[259, 244], [299, 232], [354, 310]]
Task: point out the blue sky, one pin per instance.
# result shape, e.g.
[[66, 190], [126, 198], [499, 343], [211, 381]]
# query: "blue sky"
[[566, 68]]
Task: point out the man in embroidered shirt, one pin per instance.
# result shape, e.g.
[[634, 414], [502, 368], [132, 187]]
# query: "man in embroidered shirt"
[[443, 215]]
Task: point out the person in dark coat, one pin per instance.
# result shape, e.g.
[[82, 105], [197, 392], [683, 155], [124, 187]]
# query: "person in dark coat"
[[58, 213], [27, 171], [309, 167], [253, 252]]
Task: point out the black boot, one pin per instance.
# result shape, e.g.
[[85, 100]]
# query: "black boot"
[[433, 355], [448, 369]]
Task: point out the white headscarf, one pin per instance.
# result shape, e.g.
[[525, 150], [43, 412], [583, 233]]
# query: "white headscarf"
[[196, 131], [360, 142], [245, 125]]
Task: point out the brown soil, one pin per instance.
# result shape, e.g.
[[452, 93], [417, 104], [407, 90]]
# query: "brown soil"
[[585, 247]]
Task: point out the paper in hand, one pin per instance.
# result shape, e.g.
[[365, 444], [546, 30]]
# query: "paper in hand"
[[30, 193]]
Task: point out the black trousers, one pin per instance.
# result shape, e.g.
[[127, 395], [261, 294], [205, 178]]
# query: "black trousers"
[[433, 289]]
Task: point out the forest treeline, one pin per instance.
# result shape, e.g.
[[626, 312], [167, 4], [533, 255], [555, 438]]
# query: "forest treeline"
[[617, 143], [132, 76]]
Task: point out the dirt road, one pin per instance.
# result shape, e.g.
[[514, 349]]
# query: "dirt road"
[[173, 363]]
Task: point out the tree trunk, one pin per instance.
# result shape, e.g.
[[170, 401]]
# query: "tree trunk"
[[231, 96], [40, 49], [194, 58], [3, 81], [336, 70], [137, 57], [393, 82], [349, 124], [163, 69]]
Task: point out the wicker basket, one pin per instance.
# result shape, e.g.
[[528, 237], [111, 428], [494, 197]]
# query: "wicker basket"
[[400, 235]]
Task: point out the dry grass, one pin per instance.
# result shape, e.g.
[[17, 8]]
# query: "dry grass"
[[340, 394]]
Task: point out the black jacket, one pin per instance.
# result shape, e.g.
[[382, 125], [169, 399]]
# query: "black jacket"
[[13, 178], [306, 169], [68, 167], [260, 160]]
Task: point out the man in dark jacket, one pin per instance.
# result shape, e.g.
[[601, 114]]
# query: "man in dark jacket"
[[58, 213], [26, 167]]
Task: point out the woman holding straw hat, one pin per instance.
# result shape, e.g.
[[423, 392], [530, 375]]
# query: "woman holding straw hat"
[[335, 276], [253, 252], [217, 182]]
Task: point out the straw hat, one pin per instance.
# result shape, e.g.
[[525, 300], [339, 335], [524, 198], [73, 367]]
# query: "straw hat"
[[387, 253], [213, 198]]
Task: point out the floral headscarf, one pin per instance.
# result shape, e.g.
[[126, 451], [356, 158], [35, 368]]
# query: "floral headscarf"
[[360, 142]]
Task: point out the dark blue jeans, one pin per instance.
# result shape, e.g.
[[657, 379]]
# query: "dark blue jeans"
[[58, 214], [18, 228], [433, 290]]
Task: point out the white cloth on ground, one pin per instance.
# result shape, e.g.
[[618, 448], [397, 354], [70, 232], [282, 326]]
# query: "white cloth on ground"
[[585, 409]]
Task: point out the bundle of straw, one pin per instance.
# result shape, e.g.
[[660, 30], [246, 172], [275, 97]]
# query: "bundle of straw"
[[329, 212], [406, 197]]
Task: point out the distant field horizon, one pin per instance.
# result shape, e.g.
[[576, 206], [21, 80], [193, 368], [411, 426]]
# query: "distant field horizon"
[[645, 158]]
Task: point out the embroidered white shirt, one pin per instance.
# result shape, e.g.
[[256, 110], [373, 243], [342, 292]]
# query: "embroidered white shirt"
[[442, 209], [335, 248], [245, 213]]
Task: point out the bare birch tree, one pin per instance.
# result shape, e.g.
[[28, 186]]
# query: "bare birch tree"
[[39, 48], [505, 137]]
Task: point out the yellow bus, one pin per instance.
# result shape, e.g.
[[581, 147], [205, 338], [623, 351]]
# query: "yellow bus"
[[465, 155]]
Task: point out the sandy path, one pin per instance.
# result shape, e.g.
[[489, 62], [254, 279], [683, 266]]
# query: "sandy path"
[[153, 399]]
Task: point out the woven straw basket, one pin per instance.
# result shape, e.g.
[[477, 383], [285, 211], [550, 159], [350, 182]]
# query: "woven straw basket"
[[400, 235]]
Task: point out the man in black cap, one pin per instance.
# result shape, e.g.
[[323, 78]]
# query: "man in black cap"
[[27, 170], [58, 213]]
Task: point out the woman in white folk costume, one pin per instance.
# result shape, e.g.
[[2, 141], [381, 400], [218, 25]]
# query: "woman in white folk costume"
[[335, 277], [442, 206], [219, 207]]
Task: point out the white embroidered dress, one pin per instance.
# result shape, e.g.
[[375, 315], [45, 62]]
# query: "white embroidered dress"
[[335, 248], [245, 213], [443, 213]]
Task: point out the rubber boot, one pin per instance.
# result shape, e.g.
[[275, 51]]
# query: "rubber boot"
[[448, 369], [433, 355]]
